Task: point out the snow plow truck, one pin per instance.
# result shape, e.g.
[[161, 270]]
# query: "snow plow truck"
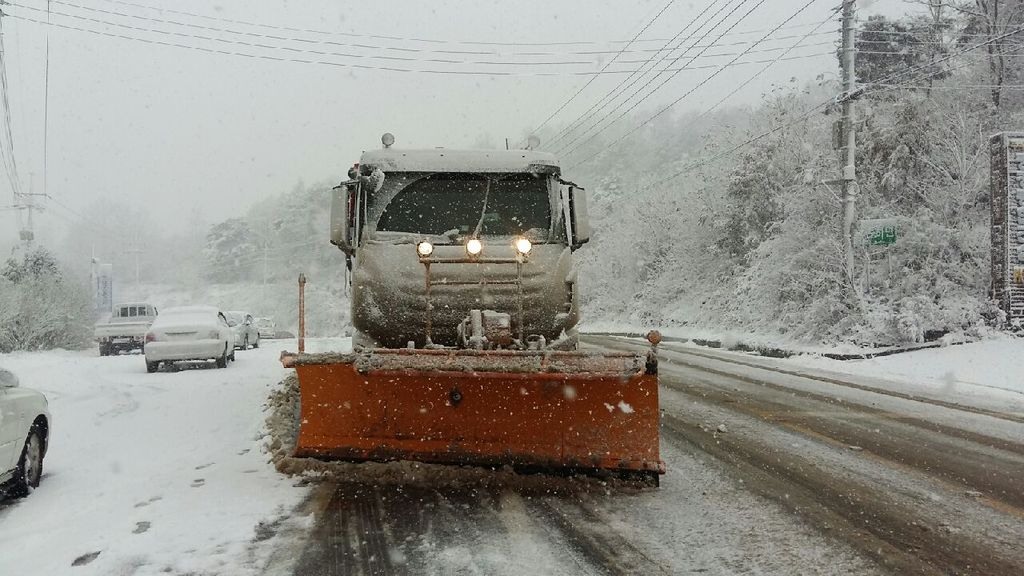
[[464, 309]]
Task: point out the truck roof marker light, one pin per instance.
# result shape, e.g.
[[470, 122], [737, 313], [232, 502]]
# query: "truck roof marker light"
[[474, 247], [424, 249], [523, 246], [388, 139]]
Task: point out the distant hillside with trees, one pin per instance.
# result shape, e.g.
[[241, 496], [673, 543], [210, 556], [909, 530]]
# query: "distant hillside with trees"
[[688, 234]]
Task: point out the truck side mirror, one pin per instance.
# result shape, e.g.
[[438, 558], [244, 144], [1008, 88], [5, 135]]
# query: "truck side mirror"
[[343, 211], [580, 219]]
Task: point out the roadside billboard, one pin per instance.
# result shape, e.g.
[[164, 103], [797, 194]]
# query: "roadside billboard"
[[103, 286], [1007, 181]]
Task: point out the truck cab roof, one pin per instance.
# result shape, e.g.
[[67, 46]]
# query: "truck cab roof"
[[474, 161]]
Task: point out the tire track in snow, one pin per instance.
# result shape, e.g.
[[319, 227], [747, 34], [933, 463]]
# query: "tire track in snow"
[[349, 538], [892, 531], [602, 549], [844, 495], [400, 529], [975, 461]]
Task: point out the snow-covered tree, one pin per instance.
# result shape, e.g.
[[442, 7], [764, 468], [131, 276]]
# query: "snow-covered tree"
[[41, 307]]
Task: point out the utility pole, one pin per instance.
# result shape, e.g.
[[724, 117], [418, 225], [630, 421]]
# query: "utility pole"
[[136, 251], [263, 292], [849, 176]]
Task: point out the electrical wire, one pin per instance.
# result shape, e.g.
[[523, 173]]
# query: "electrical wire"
[[744, 84], [911, 70], [704, 161], [387, 37], [567, 150], [370, 46], [609, 63], [341, 64], [375, 52], [616, 91], [9, 152], [640, 88], [820, 106]]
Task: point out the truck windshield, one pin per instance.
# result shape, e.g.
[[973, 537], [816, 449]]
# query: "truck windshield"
[[444, 204]]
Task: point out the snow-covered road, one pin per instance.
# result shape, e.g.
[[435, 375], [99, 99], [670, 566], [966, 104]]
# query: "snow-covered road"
[[149, 473], [769, 472], [773, 468]]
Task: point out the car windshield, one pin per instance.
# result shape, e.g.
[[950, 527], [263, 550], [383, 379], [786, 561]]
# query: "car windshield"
[[458, 204]]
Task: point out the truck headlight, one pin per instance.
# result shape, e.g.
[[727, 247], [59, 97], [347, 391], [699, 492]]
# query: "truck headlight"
[[474, 247], [523, 246], [424, 249]]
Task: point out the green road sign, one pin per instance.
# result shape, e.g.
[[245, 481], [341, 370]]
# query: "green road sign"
[[883, 236], [878, 231]]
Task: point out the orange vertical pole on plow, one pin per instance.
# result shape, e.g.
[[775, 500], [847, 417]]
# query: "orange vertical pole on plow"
[[302, 313]]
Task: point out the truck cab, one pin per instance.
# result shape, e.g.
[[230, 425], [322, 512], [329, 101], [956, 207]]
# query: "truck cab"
[[125, 328], [500, 227]]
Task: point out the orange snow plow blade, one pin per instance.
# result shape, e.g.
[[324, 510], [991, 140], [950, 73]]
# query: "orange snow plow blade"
[[548, 410]]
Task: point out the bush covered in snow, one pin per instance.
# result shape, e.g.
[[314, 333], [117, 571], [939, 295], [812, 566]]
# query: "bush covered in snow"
[[41, 307]]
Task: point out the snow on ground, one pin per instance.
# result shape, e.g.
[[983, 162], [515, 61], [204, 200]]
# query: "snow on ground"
[[159, 473], [728, 338], [987, 368], [990, 371]]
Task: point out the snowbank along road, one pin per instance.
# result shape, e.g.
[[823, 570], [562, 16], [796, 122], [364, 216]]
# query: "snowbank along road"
[[149, 473], [771, 469]]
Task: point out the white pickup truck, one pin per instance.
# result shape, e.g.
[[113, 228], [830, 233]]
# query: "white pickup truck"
[[126, 328]]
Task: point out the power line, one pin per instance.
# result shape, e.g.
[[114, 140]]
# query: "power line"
[[721, 101], [615, 92], [610, 62], [811, 111], [363, 45], [9, 153], [591, 114], [257, 44], [395, 38], [703, 161], [375, 52], [911, 70], [658, 87], [1012, 87], [337, 64]]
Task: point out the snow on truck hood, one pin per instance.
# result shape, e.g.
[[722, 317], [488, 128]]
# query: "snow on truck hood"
[[444, 160]]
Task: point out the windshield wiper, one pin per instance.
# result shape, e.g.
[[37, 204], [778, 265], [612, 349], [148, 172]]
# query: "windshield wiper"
[[483, 212]]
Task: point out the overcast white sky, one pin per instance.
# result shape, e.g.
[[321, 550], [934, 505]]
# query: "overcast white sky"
[[169, 128]]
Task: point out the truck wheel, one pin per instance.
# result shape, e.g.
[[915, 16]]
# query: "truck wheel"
[[152, 366], [257, 344], [222, 361], [30, 466]]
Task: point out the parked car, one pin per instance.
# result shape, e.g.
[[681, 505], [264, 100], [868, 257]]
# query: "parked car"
[[189, 333], [24, 436], [266, 327], [246, 332], [125, 329]]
